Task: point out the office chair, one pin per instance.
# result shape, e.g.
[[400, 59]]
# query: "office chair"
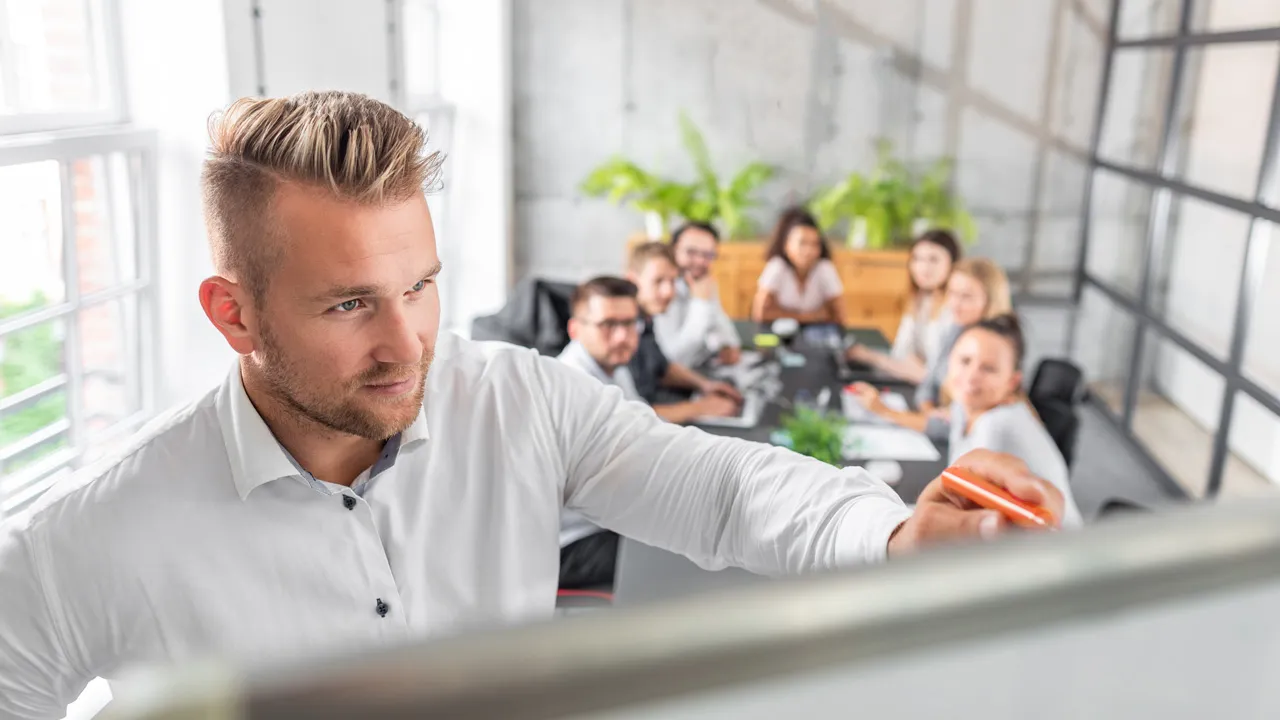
[[536, 316], [1057, 389]]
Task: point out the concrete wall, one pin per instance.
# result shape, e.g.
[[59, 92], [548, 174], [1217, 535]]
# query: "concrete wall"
[[1008, 89]]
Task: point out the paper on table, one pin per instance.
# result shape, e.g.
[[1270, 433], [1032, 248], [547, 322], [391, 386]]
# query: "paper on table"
[[872, 442], [854, 412]]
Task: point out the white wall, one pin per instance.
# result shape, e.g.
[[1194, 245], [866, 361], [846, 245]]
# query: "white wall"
[[176, 74]]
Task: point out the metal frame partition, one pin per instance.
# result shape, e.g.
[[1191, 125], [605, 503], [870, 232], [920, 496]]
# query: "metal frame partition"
[[734, 640], [1263, 209]]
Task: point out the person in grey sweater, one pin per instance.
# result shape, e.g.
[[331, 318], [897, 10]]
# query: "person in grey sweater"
[[989, 410]]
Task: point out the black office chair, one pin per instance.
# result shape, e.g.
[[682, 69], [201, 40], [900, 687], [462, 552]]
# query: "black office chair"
[[535, 316], [1057, 389]]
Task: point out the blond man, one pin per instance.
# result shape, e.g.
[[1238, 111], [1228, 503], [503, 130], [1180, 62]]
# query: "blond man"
[[360, 478]]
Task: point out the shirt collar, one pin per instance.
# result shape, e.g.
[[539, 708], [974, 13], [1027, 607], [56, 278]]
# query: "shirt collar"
[[576, 355], [255, 456]]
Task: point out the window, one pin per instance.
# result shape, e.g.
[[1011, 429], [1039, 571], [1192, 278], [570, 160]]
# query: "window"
[[1181, 252], [75, 289], [58, 65]]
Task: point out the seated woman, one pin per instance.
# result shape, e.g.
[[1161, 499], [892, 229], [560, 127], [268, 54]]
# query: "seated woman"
[[989, 410], [919, 338], [977, 289], [799, 281]]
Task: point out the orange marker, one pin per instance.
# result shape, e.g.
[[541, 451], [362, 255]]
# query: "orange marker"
[[988, 495]]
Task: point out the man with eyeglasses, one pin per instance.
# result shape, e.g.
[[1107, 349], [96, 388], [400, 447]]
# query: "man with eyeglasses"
[[695, 327], [605, 329]]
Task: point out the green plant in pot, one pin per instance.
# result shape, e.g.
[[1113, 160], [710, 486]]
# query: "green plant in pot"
[[816, 434], [623, 181], [714, 202], [883, 206], [661, 200]]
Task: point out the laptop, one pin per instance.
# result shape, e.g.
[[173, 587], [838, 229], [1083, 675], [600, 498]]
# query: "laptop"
[[748, 415]]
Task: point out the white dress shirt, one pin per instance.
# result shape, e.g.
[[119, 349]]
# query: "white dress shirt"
[[202, 539], [573, 525], [693, 329]]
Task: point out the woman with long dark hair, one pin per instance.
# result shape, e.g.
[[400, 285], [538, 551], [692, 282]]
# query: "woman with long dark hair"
[[799, 281]]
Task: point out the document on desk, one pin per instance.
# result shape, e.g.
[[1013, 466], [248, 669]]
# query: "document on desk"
[[855, 412], [873, 442]]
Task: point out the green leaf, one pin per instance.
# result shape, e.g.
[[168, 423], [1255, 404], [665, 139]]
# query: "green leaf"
[[696, 146], [749, 178]]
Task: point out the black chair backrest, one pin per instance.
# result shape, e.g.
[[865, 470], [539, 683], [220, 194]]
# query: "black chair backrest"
[[1059, 380], [536, 316], [1062, 423]]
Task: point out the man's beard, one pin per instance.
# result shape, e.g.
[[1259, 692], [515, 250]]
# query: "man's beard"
[[339, 411]]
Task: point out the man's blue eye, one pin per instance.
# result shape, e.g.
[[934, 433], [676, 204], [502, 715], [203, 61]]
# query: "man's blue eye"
[[348, 306], [418, 287]]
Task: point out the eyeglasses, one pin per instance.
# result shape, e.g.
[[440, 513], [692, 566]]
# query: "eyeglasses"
[[611, 325], [709, 256]]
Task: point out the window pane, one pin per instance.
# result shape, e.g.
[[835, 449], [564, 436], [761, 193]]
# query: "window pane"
[[109, 350], [106, 241], [1227, 103], [1262, 345], [1118, 231], [1253, 466], [1197, 293], [1176, 415], [1136, 101], [30, 237], [1148, 18], [33, 400], [54, 59], [1057, 241], [1222, 15], [1103, 345]]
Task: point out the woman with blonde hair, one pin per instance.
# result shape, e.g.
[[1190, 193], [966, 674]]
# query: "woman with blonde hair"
[[977, 290], [925, 322]]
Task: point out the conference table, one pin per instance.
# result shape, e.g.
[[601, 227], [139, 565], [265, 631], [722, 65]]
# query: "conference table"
[[646, 573]]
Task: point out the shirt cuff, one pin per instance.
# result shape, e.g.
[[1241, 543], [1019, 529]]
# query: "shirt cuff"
[[865, 529]]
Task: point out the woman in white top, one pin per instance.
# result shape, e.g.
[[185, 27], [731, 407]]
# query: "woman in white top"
[[978, 289], [919, 338], [989, 410], [799, 281]]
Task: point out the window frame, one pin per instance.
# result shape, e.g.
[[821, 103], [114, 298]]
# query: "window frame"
[[1167, 184], [111, 54], [20, 488]]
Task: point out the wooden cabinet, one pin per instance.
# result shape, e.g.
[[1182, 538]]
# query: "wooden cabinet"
[[876, 284]]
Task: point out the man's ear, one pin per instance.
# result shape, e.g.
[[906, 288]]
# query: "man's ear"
[[573, 328], [227, 306]]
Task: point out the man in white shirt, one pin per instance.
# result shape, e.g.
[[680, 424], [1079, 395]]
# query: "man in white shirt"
[[695, 327], [359, 478]]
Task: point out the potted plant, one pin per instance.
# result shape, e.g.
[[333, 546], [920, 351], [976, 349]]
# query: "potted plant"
[[713, 202], [891, 204], [657, 198], [661, 199], [816, 434]]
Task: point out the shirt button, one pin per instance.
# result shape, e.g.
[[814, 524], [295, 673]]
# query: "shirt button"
[[381, 608], [348, 502]]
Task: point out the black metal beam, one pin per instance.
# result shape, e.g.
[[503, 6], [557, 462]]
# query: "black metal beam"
[[1252, 269], [1209, 38], [1086, 205], [1245, 207]]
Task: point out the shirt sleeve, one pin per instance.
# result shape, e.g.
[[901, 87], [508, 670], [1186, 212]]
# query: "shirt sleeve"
[[719, 501], [725, 328], [686, 343], [771, 276], [37, 679], [832, 287], [905, 340]]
